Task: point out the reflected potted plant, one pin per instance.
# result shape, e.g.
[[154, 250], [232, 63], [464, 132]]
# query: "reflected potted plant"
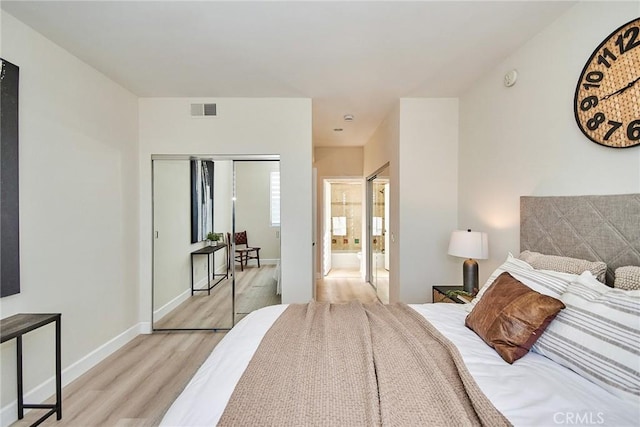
[[214, 238]]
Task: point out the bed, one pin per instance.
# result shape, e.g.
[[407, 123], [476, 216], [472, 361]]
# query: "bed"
[[533, 391]]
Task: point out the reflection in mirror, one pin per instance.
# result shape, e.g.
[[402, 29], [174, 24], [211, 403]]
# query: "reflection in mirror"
[[201, 199], [191, 285], [194, 284], [257, 227], [378, 236]]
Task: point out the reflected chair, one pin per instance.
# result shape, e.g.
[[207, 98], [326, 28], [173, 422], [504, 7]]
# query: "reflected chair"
[[244, 252]]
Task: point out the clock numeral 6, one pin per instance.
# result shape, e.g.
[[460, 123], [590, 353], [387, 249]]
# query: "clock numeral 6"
[[596, 121], [633, 130], [588, 103]]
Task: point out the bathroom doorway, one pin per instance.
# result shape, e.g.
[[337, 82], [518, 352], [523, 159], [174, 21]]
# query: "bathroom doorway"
[[343, 228]]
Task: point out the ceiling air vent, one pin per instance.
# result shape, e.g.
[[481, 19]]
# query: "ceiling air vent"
[[203, 110]]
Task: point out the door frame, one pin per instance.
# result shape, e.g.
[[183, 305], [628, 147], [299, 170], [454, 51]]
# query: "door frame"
[[326, 218]]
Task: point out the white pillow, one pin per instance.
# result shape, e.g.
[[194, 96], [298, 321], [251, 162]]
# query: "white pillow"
[[564, 264], [551, 283], [597, 335]]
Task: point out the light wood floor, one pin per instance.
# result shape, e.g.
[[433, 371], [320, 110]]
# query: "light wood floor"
[[255, 288], [344, 289], [137, 384]]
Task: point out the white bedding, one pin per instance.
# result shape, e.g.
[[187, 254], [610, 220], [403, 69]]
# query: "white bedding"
[[534, 391]]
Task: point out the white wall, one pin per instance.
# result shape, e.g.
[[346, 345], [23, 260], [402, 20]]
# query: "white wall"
[[253, 208], [78, 211], [428, 195], [244, 126], [419, 139], [524, 140]]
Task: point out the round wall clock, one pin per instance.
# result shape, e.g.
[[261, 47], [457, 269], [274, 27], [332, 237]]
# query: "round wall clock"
[[607, 99]]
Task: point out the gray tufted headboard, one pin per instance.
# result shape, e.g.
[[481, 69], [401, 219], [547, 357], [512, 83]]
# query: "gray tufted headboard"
[[596, 228]]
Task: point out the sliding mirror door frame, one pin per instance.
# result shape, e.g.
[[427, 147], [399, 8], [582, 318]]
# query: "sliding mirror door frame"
[[371, 263]]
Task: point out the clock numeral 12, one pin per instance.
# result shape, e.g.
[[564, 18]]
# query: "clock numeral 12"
[[634, 41]]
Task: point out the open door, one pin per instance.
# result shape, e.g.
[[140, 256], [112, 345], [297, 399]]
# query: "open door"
[[386, 226]]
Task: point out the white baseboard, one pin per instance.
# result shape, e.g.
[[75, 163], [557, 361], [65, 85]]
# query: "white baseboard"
[[182, 297], [168, 307], [40, 393], [145, 328]]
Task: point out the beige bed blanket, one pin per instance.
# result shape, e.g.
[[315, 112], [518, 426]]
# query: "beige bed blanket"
[[357, 365]]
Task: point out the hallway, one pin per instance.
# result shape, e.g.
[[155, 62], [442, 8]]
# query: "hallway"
[[343, 286]]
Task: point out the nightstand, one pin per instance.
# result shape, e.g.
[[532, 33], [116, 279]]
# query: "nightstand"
[[440, 294]]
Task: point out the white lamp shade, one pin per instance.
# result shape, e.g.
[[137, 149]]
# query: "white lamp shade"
[[469, 244]]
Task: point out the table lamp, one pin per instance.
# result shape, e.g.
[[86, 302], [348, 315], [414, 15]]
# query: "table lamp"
[[471, 245]]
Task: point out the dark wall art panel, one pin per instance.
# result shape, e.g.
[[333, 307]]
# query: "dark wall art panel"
[[9, 224], [201, 199]]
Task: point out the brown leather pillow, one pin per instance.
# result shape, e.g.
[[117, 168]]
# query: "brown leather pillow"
[[510, 317]]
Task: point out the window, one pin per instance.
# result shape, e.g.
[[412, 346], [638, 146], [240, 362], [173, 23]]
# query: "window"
[[274, 187], [339, 225]]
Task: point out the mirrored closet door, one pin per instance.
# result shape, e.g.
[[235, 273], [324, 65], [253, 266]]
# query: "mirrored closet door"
[[257, 238], [216, 240], [378, 223]]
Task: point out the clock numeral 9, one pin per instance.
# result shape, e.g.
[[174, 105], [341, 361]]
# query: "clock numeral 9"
[[588, 103], [596, 121], [633, 130]]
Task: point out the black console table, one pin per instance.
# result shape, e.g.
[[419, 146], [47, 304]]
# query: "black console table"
[[15, 327], [211, 279]]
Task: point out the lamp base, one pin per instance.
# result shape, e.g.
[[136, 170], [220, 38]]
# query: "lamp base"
[[470, 275]]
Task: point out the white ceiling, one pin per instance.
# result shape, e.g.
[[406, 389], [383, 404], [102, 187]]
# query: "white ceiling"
[[349, 57]]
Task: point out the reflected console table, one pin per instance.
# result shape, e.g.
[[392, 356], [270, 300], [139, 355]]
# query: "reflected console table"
[[210, 252], [15, 327]]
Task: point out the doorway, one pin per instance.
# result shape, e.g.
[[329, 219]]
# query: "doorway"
[[343, 228]]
